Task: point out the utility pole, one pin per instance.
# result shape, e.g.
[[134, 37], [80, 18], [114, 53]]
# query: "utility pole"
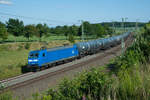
[[122, 45], [122, 40], [122, 24], [136, 25], [126, 24], [82, 30], [113, 25]]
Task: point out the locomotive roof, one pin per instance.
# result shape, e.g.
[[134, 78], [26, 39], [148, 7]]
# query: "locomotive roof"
[[60, 47]]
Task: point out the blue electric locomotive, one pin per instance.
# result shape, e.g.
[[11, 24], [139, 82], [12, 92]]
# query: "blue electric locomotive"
[[46, 57]]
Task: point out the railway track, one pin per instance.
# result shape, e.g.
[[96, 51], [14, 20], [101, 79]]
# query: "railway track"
[[21, 85], [16, 77]]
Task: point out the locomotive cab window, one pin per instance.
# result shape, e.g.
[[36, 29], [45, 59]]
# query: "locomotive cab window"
[[31, 55], [36, 55], [43, 54]]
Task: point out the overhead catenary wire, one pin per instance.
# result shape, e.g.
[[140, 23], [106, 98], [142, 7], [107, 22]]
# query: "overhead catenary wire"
[[47, 20], [38, 19]]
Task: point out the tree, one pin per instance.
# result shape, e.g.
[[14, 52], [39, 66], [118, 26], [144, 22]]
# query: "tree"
[[42, 30], [72, 30], [15, 27], [108, 30], [3, 31], [75, 30], [71, 38], [29, 31], [66, 30], [79, 31], [87, 28], [58, 30], [98, 30]]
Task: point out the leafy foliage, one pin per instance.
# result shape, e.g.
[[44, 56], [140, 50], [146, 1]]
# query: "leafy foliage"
[[6, 96], [27, 46], [29, 31], [3, 31], [42, 30], [15, 27], [71, 38], [92, 85]]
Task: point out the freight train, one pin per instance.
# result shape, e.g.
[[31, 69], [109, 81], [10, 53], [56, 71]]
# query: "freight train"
[[48, 57]]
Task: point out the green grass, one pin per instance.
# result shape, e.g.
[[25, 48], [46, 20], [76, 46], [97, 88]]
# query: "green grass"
[[6, 96], [122, 30], [12, 38], [48, 38], [11, 62]]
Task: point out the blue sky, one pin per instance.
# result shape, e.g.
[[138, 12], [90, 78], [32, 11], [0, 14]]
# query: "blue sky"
[[60, 12]]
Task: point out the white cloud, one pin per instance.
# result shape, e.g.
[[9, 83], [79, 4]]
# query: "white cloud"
[[5, 2]]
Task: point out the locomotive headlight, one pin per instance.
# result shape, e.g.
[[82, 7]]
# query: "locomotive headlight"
[[35, 60], [30, 60]]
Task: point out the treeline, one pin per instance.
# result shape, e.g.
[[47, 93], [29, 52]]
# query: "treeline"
[[17, 28], [126, 24]]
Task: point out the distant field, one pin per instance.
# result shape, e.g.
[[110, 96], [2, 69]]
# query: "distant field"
[[121, 30], [12, 38]]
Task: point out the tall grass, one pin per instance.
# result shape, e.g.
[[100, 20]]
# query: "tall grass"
[[6, 96], [11, 62]]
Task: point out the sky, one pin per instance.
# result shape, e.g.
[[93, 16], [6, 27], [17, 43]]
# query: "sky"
[[67, 12]]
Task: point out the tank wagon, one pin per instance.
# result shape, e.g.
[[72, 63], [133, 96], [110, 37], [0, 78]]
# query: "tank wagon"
[[48, 57], [95, 46]]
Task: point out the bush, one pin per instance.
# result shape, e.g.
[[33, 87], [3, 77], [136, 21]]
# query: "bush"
[[6, 96], [20, 47], [2, 86], [27, 46], [91, 85], [71, 38]]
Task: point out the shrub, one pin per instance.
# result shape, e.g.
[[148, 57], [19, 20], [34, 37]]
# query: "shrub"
[[6, 96], [71, 38], [20, 47], [27, 46]]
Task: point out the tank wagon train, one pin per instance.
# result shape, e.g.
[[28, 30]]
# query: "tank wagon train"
[[49, 57]]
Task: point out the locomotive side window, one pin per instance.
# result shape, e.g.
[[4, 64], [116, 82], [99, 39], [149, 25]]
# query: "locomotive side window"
[[36, 55], [43, 54], [31, 55]]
